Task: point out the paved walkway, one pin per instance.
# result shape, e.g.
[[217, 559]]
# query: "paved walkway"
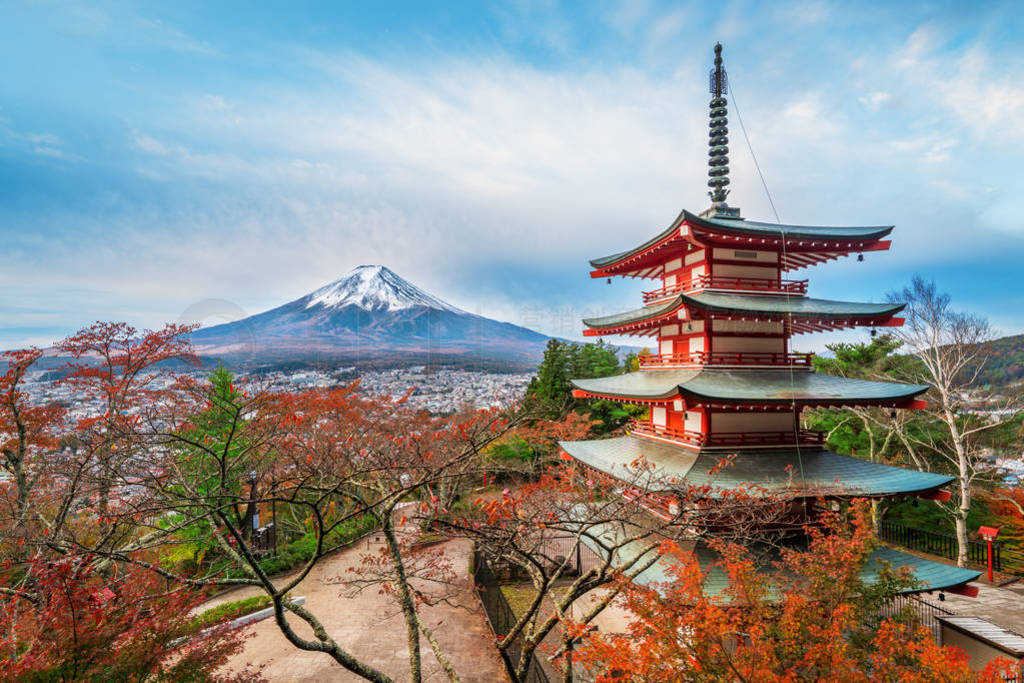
[[1002, 606], [371, 627]]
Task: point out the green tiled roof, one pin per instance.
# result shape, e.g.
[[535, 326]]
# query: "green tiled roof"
[[753, 228], [796, 306], [748, 386], [932, 575], [811, 232], [814, 469]]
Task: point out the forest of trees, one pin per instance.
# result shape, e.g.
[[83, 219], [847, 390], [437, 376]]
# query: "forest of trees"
[[116, 525]]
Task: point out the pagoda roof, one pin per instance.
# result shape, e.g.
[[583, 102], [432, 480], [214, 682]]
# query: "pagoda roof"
[[806, 237], [760, 386], [762, 305], [826, 232], [815, 470], [932, 575]]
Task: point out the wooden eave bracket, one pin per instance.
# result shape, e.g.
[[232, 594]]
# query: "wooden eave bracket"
[[939, 495], [580, 393], [963, 589]]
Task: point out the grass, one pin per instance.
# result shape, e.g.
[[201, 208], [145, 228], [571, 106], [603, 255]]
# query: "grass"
[[519, 597], [298, 552], [231, 610]]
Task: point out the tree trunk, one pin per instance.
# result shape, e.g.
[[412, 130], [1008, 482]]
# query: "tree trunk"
[[961, 537], [405, 599], [964, 484], [876, 515]]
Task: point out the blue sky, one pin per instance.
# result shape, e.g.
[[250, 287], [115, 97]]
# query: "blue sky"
[[193, 160]]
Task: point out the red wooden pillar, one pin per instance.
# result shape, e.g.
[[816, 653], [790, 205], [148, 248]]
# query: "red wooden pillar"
[[989, 533]]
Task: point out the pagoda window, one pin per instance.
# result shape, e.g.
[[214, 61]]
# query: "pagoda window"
[[694, 257], [670, 330], [673, 265], [696, 344], [754, 422], [750, 345], [665, 347], [659, 416], [751, 326], [729, 270], [745, 255], [670, 281], [697, 273], [693, 421]]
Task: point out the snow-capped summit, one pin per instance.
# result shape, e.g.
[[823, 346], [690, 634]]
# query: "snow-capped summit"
[[374, 318], [374, 288]]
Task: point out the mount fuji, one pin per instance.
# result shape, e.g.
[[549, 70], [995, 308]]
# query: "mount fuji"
[[370, 317]]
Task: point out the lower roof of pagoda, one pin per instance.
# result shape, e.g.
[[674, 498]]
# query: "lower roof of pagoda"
[[800, 243], [932, 575], [711, 386], [797, 309], [657, 466], [634, 552]]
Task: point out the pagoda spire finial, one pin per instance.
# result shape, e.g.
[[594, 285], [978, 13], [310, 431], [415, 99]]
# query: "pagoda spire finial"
[[718, 161]]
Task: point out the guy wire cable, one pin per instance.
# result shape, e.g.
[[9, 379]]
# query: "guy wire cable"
[[786, 293]]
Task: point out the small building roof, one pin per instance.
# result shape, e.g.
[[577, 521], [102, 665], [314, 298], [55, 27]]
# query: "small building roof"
[[815, 470], [851, 237], [763, 305], [998, 637], [756, 386]]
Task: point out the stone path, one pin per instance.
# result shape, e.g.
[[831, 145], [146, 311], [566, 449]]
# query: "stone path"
[[371, 627]]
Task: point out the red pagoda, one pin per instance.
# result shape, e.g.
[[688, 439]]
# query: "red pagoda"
[[723, 379]]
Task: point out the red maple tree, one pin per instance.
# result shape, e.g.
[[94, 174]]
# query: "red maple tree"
[[28, 433], [809, 620], [72, 624]]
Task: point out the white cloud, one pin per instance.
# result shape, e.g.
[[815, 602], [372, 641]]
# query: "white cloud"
[[149, 145], [984, 95], [875, 100], [472, 170]]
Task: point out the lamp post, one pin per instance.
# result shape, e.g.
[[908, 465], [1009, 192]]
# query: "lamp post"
[[989, 533], [252, 517]]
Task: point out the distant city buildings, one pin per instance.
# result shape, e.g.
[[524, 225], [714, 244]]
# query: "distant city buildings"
[[439, 391]]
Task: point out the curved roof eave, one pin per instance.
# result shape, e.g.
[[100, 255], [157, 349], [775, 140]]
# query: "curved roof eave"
[[824, 232], [753, 228], [614, 258], [758, 386], [797, 307], [818, 471]]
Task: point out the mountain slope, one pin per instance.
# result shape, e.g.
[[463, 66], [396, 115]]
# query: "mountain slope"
[[1004, 361], [371, 316]]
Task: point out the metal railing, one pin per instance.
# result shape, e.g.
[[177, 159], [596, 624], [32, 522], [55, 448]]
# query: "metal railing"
[[935, 543], [807, 437], [726, 358], [924, 613], [745, 284], [501, 618]]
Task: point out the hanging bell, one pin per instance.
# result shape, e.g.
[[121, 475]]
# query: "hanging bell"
[[860, 258], [609, 280]]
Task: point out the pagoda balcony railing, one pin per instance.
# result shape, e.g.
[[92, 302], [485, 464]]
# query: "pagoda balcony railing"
[[746, 284], [803, 437], [655, 360]]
